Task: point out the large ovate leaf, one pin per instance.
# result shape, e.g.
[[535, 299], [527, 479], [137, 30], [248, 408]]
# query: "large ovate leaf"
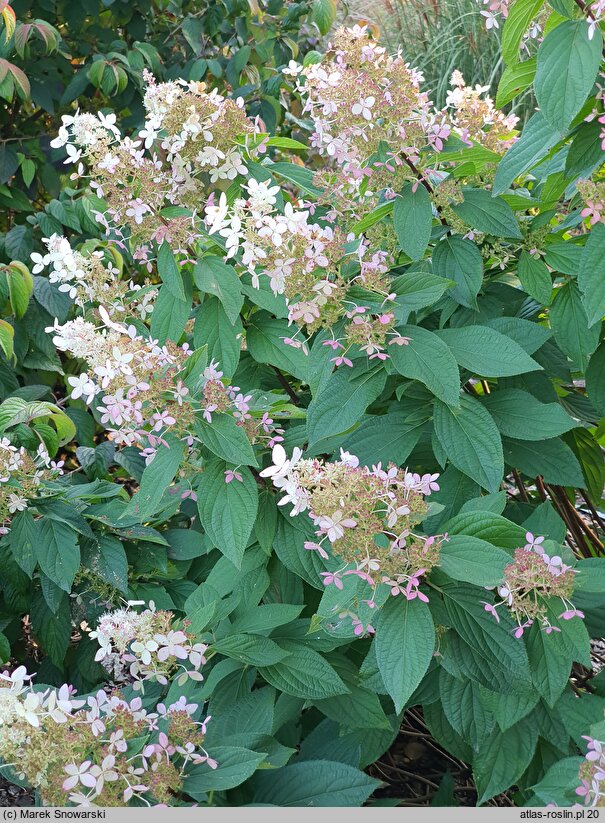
[[405, 640], [471, 441], [460, 260], [568, 64], [428, 359], [487, 352], [413, 219], [228, 510]]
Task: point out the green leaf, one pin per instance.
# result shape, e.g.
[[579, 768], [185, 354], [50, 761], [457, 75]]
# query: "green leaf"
[[226, 439], [550, 662], [502, 758], [535, 278], [471, 441], [314, 783], [413, 220], [360, 709], [591, 277], [515, 79], [299, 175], [405, 641], [266, 617], [473, 560], [213, 329], [265, 338], [7, 337], [213, 276], [568, 64], [590, 575], [487, 214], [493, 642], [20, 290], [304, 673], [488, 526], [23, 539], [51, 629], [519, 414], [107, 559], [537, 138], [552, 459], [417, 289], [228, 510], [484, 351], [384, 438], [509, 708], [341, 402], [170, 314], [464, 708], [595, 379], [428, 359], [57, 552], [323, 13], [460, 260], [236, 766], [251, 649], [521, 13], [157, 477], [569, 323], [170, 273]]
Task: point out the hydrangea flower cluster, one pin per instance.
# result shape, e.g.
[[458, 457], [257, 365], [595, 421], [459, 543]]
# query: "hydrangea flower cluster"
[[593, 194], [21, 476], [199, 134], [475, 119], [364, 517], [85, 751], [90, 278], [592, 774], [136, 378], [142, 384], [364, 102], [144, 646], [302, 261], [530, 582]]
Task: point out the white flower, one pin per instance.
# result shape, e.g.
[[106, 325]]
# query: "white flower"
[[82, 387], [349, 459], [16, 503], [215, 215], [293, 68], [73, 154], [281, 465], [335, 526], [61, 139], [364, 107]]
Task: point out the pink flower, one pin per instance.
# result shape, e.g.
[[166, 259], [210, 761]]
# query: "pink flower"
[[534, 543], [329, 578], [488, 607], [340, 360], [317, 548], [233, 474], [569, 613]]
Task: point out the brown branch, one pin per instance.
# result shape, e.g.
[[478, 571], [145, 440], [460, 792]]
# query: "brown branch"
[[422, 179], [520, 486], [291, 393]]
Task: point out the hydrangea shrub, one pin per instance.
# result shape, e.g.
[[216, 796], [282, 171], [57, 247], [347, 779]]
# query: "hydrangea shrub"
[[306, 432]]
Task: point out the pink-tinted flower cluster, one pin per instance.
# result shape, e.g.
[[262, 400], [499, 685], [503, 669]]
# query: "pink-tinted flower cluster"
[[531, 582], [21, 478], [142, 646], [364, 517], [592, 774], [100, 750]]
